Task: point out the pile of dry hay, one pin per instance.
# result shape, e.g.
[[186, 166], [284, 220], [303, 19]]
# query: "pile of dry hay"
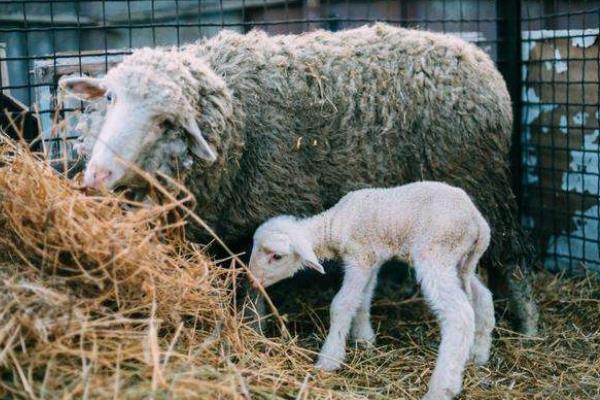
[[96, 302]]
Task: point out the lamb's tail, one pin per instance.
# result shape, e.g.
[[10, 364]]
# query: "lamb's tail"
[[480, 245]]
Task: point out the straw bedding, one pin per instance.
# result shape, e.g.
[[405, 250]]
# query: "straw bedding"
[[101, 297]]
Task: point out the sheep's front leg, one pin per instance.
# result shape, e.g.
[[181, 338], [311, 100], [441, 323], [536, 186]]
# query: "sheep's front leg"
[[343, 310]]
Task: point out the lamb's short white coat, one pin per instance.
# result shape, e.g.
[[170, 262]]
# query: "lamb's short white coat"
[[434, 227]]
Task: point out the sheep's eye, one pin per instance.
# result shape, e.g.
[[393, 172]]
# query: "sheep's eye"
[[274, 257]]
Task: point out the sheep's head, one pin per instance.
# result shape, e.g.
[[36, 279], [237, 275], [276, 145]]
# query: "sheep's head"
[[281, 248], [149, 90]]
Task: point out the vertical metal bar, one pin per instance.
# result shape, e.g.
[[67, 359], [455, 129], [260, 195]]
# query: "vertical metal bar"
[[79, 56], [427, 13], [444, 16], [60, 144], [540, 206], [177, 23], [404, 14], [153, 23], [461, 26], [509, 33], [244, 26], [26, 50], [347, 11], [312, 14], [287, 16], [1, 78], [53, 38], [264, 26], [79, 61], [598, 150], [105, 34], [388, 11], [569, 107], [222, 12], [129, 24], [200, 23], [332, 24], [584, 130], [553, 169]]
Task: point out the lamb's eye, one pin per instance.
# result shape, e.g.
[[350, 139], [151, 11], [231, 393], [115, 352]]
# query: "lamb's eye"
[[277, 257], [110, 97]]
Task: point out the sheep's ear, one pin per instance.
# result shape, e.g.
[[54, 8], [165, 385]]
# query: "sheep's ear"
[[83, 88], [308, 256], [200, 146], [314, 265]]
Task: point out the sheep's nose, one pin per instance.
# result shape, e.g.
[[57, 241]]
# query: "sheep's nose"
[[96, 177]]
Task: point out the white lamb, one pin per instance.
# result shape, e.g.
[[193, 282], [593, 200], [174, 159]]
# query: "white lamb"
[[434, 227]]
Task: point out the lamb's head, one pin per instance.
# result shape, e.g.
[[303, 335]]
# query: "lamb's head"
[[150, 89], [282, 246]]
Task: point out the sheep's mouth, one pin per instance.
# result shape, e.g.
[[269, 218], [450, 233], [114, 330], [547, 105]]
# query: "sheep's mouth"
[[133, 190]]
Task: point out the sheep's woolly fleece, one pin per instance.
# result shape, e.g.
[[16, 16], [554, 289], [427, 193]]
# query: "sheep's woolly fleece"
[[298, 121], [98, 303]]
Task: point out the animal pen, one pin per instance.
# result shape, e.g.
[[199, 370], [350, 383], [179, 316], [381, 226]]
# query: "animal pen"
[[547, 51], [549, 54]]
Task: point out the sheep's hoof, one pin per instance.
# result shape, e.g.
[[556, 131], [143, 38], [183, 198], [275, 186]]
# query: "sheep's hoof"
[[328, 363], [365, 343], [364, 336], [480, 358], [480, 352]]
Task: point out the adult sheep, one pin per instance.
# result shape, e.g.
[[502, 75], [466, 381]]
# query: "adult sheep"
[[289, 124]]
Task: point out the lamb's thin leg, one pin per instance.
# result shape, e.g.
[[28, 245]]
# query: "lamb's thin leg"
[[362, 330], [443, 291], [343, 309], [483, 306]]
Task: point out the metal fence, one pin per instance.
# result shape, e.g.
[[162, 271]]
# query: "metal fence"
[[559, 134], [547, 51]]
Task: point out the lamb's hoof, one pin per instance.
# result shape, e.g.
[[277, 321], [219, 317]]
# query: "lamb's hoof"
[[480, 352], [365, 343], [364, 337], [441, 394], [480, 358], [328, 363]]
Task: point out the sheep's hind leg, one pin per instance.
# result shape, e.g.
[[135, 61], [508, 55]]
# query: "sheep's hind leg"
[[443, 290], [343, 309], [362, 330], [483, 306], [513, 282]]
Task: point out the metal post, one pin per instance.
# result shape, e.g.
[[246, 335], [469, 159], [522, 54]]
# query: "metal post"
[[312, 13], [509, 56]]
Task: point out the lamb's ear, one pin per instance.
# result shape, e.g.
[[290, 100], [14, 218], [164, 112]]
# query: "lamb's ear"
[[200, 146], [308, 256], [82, 87]]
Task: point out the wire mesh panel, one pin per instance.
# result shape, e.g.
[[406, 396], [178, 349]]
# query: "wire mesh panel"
[[560, 134]]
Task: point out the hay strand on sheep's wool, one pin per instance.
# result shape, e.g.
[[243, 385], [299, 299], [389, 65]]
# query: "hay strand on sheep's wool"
[[99, 302]]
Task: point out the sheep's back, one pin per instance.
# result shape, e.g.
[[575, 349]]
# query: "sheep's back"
[[326, 113]]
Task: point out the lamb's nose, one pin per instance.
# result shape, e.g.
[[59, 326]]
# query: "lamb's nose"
[[96, 177]]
